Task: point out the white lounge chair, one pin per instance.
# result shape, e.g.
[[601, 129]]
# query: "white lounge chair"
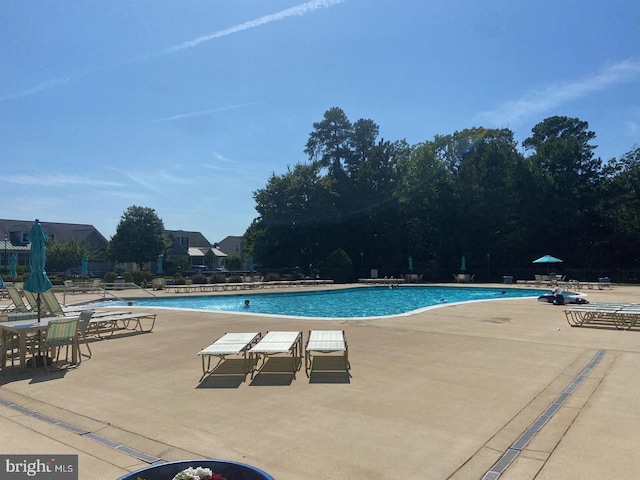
[[274, 343], [327, 342], [600, 314], [121, 321], [229, 344]]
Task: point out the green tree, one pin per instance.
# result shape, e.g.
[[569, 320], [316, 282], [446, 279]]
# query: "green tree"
[[295, 209], [425, 194], [233, 262], [469, 193], [330, 142], [65, 254], [139, 237], [621, 205], [339, 266], [486, 192], [567, 181]]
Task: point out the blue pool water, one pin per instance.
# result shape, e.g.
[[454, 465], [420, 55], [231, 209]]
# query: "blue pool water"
[[347, 303]]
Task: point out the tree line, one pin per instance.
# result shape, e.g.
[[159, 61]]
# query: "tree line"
[[360, 202]]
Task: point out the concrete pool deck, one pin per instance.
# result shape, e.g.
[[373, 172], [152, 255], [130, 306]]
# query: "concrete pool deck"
[[442, 394]]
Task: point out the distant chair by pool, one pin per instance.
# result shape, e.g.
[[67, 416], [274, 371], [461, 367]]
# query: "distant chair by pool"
[[463, 277]]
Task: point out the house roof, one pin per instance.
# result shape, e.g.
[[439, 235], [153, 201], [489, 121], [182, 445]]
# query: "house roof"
[[196, 239], [198, 245], [14, 229], [202, 251]]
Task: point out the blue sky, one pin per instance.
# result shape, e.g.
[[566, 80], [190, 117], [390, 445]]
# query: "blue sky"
[[187, 107]]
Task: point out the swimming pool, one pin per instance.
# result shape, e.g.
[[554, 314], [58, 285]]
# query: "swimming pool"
[[345, 303]]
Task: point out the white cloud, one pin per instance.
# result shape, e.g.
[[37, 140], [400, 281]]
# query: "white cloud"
[[538, 101], [632, 128]]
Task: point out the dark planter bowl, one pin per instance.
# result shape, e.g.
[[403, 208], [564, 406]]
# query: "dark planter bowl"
[[230, 470]]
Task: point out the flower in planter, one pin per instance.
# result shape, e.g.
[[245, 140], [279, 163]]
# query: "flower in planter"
[[198, 473]]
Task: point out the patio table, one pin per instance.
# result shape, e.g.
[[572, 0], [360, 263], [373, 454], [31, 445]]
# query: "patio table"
[[22, 328]]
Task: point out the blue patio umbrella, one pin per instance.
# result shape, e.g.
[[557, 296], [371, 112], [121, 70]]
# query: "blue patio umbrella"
[[85, 266], [463, 264], [1, 282], [13, 262], [548, 259], [159, 265], [37, 281], [410, 264]]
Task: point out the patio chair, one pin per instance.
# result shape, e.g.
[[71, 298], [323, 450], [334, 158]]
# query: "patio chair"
[[17, 300], [327, 342], [230, 344], [83, 325], [61, 332], [10, 345], [49, 304], [32, 299]]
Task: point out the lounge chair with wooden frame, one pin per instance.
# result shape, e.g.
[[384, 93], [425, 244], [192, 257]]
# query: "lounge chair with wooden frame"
[[227, 345], [333, 348]]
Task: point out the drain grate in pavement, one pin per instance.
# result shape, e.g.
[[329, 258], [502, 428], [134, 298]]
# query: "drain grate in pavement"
[[83, 432], [514, 450]]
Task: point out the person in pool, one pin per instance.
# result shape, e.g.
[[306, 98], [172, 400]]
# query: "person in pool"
[[246, 303]]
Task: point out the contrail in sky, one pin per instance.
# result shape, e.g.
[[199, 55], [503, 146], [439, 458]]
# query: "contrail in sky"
[[199, 113], [37, 89], [298, 10]]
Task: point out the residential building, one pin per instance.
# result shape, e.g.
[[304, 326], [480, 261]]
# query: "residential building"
[[200, 253], [232, 245], [14, 237]]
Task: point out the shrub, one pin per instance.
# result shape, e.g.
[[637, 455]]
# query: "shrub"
[[217, 278], [110, 277], [142, 277], [198, 279], [272, 277]]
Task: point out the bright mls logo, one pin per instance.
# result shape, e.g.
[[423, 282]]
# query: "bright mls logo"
[[41, 467]]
